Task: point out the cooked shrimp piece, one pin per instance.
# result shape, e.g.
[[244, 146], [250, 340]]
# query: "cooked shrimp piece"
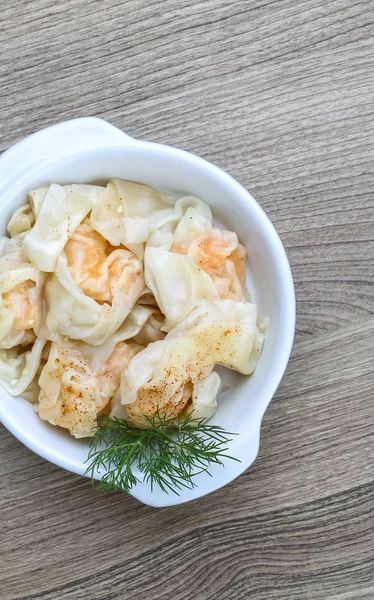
[[110, 373], [222, 257], [86, 251], [18, 301], [97, 268]]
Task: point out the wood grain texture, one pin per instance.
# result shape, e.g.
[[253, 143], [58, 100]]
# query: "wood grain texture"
[[280, 94]]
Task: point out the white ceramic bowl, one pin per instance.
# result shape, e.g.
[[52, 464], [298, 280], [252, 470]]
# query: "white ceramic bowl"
[[91, 150]]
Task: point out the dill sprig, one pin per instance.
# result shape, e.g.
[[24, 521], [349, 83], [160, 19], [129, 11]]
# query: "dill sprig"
[[170, 452]]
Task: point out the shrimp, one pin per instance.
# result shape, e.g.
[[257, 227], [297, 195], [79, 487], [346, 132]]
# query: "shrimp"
[[110, 373], [18, 301], [98, 268], [220, 255], [86, 251]]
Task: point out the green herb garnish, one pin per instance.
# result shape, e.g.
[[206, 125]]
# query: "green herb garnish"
[[169, 453]]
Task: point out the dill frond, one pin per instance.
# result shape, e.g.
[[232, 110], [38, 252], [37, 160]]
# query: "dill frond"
[[169, 453]]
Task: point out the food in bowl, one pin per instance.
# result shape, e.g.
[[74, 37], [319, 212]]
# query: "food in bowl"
[[117, 303]]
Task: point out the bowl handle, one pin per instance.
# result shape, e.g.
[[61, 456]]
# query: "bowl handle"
[[245, 450], [63, 139]]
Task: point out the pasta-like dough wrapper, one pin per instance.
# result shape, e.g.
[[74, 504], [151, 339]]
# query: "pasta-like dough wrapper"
[[74, 314], [18, 369], [72, 392], [36, 198], [130, 330], [177, 283], [162, 377], [204, 396], [60, 213], [128, 212], [11, 255], [151, 330], [147, 298], [22, 220]]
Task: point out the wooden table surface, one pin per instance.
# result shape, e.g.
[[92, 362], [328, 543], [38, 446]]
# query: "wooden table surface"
[[280, 94]]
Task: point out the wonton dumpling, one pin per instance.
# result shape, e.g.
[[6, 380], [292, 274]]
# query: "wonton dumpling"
[[162, 377], [18, 367], [72, 393], [197, 262], [74, 314], [21, 302], [216, 251], [63, 208]]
